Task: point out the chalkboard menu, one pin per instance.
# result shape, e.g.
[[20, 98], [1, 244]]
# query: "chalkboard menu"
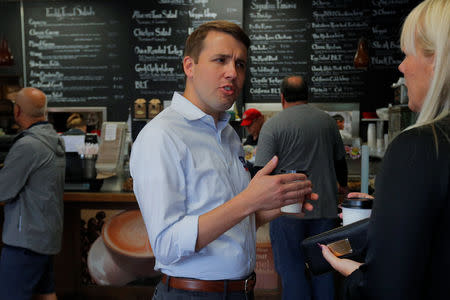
[[158, 33], [386, 18], [335, 31], [318, 39], [385, 32], [76, 52], [109, 53], [279, 32]]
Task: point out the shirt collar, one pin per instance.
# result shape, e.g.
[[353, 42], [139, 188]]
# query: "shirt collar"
[[191, 112], [22, 133], [38, 123]]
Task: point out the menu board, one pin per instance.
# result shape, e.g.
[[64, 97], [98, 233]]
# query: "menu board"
[[110, 53], [319, 39], [279, 32], [76, 52], [335, 31], [385, 32], [158, 33], [386, 17]]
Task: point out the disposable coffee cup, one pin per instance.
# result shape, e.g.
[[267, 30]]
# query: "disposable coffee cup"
[[292, 208], [355, 209], [296, 207]]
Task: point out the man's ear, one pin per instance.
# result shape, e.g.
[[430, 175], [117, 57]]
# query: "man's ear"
[[188, 66], [16, 111], [283, 101]]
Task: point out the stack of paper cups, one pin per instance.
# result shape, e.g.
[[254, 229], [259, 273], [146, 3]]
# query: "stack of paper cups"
[[371, 137], [380, 145], [386, 141], [364, 169]]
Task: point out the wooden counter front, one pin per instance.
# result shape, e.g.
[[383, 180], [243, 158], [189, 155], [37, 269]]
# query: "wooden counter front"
[[70, 263], [116, 197]]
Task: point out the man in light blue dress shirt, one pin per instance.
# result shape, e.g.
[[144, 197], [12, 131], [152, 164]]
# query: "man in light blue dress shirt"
[[200, 208]]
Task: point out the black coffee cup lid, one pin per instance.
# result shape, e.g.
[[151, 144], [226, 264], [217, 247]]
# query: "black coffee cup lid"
[[364, 203]]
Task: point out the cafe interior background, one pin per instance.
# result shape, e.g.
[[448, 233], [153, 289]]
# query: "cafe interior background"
[[118, 62]]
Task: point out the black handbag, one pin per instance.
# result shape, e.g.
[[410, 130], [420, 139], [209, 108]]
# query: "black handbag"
[[348, 241]]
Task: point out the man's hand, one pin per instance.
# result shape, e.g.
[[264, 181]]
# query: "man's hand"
[[264, 196], [271, 192]]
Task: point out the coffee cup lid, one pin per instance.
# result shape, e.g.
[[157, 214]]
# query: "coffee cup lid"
[[364, 203]]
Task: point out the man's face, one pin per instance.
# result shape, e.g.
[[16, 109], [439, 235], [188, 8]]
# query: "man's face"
[[255, 127], [340, 124], [216, 80]]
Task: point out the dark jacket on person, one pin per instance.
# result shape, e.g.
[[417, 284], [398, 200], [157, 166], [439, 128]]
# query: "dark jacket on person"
[[409, 231], [32, 187], [251, 141]]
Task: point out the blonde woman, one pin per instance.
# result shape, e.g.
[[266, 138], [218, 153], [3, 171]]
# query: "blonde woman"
[[409, 233]]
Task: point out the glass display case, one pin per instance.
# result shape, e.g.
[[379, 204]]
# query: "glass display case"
[[94, 116]]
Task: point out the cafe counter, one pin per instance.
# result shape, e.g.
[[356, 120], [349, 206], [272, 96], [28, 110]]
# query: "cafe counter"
[[86, 268], [77, 277]]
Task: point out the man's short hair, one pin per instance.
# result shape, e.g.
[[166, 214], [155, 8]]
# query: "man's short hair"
[[338, 117], [294, 92], [194, 43]]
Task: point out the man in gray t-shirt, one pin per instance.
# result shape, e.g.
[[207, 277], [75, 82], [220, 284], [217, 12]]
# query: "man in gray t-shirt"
[[304, 138]]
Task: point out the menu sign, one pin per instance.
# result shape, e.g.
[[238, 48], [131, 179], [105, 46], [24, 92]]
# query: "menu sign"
[[76, 51], [279, 32], [335, 31], [385, 29], [158, 33]]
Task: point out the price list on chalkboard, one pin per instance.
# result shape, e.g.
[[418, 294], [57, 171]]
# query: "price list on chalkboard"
[[385, 32], [158, 35], [279, 32], [76, 51], [335, 32]]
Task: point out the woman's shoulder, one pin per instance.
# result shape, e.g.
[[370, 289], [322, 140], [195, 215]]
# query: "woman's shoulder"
[[424, 138]]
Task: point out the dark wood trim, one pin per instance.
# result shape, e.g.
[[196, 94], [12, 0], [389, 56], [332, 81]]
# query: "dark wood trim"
[[118, 197]]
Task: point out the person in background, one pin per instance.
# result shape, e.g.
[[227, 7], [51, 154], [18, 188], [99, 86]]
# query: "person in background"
[[408, 236], [32, 188], [303, 138], [340, 121], [252, 120], [76, 125], [200, 208], [93, 123]]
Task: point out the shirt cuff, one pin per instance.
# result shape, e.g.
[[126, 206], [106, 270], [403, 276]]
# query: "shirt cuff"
[[188, 236]]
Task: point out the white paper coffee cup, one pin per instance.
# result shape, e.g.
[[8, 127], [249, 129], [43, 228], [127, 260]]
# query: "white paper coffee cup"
[[355, 209], [292, 208], [296, 207]]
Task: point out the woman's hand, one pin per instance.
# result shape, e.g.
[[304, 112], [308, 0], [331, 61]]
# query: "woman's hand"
[[359, 195], [342, 265]]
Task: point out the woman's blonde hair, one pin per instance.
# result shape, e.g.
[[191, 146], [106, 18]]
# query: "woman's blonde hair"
[[427, 27]]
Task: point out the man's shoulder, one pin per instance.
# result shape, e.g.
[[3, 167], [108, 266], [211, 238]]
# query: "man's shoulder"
[[26, 146], [166, 125], [26, 139]]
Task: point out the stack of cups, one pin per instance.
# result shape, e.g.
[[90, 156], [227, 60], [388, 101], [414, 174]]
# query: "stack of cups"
[[380, 138], [355, 209], [371, 137]]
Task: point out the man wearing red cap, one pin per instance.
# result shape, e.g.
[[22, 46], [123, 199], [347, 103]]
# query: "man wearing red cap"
[[252, 120]]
